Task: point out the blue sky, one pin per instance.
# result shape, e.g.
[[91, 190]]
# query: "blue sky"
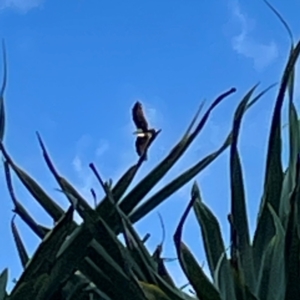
[[77, 67]]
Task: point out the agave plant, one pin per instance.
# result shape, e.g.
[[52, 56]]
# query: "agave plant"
[[77, 261], [268, 267], [88, 260]]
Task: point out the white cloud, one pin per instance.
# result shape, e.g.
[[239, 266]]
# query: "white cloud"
[[85, 177], [21, 5], [262, 53], [83, 143], [77, 164], [102, 148]]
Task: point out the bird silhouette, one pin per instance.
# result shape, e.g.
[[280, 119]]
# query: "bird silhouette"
[[143, 133]]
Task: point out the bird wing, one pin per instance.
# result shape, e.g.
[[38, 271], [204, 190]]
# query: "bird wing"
[[139, 117], [141, 144]]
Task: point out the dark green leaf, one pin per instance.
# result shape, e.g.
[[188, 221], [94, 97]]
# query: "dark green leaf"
[[54, 210], [19, 243], [223, 278], [3, 283], [3, 87], [176, 184], [271, 277], [45, 255], [19, 208], [274, 174], [66, 263], [210, 229], [284, 23], [67, 188], [124, 281], [196, 276], [238, 200], [289, 176], [292, 243]]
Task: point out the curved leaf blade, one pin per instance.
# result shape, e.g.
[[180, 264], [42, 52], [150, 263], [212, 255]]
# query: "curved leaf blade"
[[3, 283], [50, 206], [19, 243], [196, 276], [274, 173], [3, 87], [238, 199]]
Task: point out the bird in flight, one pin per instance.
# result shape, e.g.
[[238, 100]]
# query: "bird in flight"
[[143, 133]]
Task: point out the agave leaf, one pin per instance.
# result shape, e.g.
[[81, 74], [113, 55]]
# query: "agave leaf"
[[160, 262], [174, 294], [3, 87], [19, 243], [175, 184], [283, 22], [271, 277], [196, 276], [279, 229], [163, 272], [214, 246], [267, 280], [136, 195], [194, 120], [210, 229], [77, 281], [184, 286], [146, 238], [71, 191], [19, 208], [153, 292], [102, 233], [104, 208], [3, 283], [223, 278], [104, 261], [45, 255], [274, 174], [108, 240], [66, 263], [84, 292], [241, 289], [289, 176], [135, 246], [292, 244], [294, 143], [97, 276], [139, 253], [125, 282], [28, 289], [53, 209], [149, 265], [200, 282], [238, 199], [64, 184]]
